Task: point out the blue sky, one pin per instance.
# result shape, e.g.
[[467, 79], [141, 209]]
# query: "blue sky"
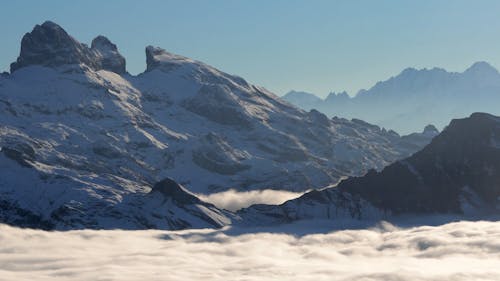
[[316, 46]]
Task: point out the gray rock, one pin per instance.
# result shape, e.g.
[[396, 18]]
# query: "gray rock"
[[111, 59], [171, 189], [49, 45], [155, 59]]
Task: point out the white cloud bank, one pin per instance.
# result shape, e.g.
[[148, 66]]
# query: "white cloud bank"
[[233, 200], [455, 251]]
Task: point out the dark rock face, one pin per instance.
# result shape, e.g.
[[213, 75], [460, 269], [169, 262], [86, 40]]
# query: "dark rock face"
[[318, 117], [151, 52], [457, 173], [173, 193], [463, 160], [49, 45], [431, 129], [415, 140], [111, 59], [14, 215], [171, 189], [21, 153], [158, 58]]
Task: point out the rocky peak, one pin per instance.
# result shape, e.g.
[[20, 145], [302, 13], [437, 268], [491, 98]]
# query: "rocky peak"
[[111, 59], [430, 130], [102, 43], [151, 53], [171, 189], [319, 118], [482, 68], [50, 45], [337, 97], [158, 57]]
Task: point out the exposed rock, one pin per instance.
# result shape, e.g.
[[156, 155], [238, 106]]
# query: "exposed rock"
[[217, 155], [319, 118], [458, 173], [21, 153], [157, 57], [430, 130], [171, 189], [111, 59], [180, 209], [219, 104], [50, 45]]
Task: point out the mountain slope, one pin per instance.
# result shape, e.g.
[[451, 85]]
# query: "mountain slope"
[[415, 98], [89, 136], [458, 173]]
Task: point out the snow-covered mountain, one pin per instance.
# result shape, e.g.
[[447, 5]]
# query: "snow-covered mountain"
[[83, 142], [457, 173], [415, 98]]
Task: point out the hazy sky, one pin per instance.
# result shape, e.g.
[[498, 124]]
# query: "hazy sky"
[[316, 46]]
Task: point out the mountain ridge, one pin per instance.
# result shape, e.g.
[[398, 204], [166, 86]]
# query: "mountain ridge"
[[83, 146], [457, 173], [416, 97]]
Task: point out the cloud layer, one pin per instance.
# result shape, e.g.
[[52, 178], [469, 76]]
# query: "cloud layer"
[[233, 200], [454, 251]]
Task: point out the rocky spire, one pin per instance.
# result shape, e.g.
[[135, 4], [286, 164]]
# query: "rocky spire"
[[111, 59], [151, 52], [50, 45], [430, 130], [157, 57]]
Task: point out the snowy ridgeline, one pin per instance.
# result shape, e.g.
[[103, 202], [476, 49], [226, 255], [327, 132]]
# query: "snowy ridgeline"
[[414, 98], [380, 252], [83, 142]]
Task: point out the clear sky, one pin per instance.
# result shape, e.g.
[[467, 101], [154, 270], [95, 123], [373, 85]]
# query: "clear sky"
[[310, 45]]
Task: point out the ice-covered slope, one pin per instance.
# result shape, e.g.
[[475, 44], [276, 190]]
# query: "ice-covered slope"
[[415, 98], [458, 173], [88, 137]]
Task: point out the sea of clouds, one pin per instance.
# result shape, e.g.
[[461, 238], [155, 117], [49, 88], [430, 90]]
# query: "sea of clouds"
[[453, 251], [234, 200]]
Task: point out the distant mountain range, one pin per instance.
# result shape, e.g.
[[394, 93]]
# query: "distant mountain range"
[[457, 173], [84, 144], [414, 98]]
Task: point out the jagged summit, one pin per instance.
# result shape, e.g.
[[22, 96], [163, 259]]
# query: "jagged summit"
[[414, 98], [50, 45], [338, 97], [158, 58], [111, 59], [430, 130]]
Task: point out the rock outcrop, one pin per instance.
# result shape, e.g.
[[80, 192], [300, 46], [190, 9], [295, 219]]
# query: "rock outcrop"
[[457, 173], [50, 45]]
